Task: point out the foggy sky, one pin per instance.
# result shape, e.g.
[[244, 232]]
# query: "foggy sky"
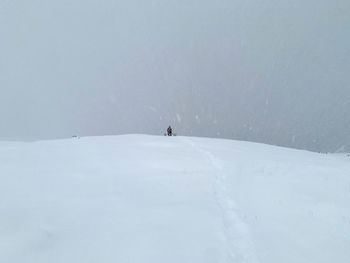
[[272, 71]]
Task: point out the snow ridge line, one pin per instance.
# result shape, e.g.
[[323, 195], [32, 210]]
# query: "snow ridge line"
[[240, 246]]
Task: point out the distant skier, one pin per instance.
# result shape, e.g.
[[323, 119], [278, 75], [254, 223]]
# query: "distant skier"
[[170, 131]]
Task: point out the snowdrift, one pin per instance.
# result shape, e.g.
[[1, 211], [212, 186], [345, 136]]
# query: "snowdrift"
[[138, 198]]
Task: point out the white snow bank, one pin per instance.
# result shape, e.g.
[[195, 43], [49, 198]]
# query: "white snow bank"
[[153, 199]]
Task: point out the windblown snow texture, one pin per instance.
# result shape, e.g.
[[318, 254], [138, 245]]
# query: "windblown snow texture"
[[139, 198]]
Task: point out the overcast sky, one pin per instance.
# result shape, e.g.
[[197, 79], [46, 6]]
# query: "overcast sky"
[[272, 71]]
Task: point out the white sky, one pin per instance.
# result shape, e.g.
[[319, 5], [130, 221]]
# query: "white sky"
[[271, 71]]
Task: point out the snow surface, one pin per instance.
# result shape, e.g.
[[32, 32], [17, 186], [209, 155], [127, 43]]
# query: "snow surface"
[[138, 198]]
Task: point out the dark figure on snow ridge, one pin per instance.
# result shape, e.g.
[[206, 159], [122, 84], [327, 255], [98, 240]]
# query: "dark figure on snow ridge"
[[170, 131]]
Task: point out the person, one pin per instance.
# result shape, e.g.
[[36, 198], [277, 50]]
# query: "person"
[[170, 131]]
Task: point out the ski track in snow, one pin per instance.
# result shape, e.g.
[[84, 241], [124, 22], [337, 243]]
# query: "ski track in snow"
[[154, 199], [238, 238]]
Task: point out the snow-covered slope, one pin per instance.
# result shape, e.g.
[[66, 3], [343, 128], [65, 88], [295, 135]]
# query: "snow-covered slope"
[[139, 198]]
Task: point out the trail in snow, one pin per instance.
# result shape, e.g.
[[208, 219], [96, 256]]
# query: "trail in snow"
[[160, 199], [238, 238]]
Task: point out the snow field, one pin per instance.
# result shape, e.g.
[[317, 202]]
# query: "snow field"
[[138, 198]]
